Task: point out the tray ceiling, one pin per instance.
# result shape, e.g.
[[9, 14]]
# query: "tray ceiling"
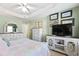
[[39, 9]]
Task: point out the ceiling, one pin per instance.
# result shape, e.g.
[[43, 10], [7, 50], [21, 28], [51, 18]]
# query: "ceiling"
[[38, 10]]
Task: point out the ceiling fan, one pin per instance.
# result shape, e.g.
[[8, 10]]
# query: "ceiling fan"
[[25, 7]]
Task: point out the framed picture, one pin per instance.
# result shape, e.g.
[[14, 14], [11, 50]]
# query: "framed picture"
[[54, 16], [67, 21], [66, 14], [55, 22]]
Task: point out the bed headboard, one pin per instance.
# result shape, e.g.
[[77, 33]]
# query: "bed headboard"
[[12, 35]]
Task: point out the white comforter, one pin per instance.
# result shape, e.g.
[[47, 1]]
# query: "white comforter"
[[25, 47]]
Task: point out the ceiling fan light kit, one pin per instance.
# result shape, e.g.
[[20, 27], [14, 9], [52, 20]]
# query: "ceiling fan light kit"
[[25, 9]]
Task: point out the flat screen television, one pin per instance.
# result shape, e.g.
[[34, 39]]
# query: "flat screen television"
[[62, 30]]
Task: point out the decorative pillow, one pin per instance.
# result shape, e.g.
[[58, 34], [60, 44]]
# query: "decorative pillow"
[[3, 47], [13, 39], [6, 41], [2, 43]]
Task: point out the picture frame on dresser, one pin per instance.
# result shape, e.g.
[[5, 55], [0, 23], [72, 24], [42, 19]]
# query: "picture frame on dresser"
[[66, 14], [67, 21], [53, 16]]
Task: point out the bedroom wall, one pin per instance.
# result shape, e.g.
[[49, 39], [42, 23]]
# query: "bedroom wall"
[[76, 27], [47, 29], [43, 21], [4, 20], [46, 24], [75, 15]]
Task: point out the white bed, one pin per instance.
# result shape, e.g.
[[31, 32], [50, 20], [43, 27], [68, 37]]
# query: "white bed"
[[22, 46]]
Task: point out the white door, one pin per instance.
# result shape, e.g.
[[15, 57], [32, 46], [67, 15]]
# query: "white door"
[[25, 29]]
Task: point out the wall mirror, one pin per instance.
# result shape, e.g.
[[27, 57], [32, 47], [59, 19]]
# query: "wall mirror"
[[11, 28]]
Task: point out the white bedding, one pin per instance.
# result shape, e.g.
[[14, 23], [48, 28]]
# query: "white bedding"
[[24, 47]]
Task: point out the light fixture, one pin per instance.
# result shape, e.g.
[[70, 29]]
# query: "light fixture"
[[25, 10], [25, 7]]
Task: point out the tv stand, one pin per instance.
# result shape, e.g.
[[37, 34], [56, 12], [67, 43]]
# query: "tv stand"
[[60, 44]]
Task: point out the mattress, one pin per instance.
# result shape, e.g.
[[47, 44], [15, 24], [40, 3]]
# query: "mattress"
[[25, 47]]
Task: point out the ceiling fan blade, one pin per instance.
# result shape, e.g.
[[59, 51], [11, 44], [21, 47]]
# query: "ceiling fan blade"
[[24, 7], [18, 7], [30, 7], [25, 10]]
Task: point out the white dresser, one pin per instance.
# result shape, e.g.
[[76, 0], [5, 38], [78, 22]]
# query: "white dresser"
[[37, 34]]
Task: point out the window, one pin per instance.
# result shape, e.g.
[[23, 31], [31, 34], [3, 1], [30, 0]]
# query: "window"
[[11, 28]]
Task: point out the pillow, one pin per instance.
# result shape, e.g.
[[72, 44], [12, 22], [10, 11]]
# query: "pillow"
[[13, 39], [3, 47], [2, 43], [6, 41]]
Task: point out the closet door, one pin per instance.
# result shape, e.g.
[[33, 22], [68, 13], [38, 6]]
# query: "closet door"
[[25, 30]]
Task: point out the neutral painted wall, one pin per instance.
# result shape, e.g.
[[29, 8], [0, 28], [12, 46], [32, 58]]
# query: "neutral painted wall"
[[75, 15], [47, 29], [4, 20], [34, 24], [75, 12], [76, 27], [25, 27]]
